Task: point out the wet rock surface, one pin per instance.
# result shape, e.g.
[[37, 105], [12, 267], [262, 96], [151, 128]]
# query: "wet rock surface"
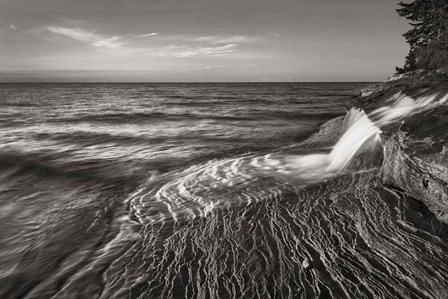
[[416, 150], [418, 163], [370, 232]]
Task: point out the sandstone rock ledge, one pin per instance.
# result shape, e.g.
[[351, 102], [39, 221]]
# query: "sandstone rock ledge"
[[417, 175], [416, 151]]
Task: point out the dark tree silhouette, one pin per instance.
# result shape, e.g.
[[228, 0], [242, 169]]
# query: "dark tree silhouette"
[[428, 37]]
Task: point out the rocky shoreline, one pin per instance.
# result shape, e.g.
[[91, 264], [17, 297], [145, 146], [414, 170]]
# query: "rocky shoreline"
[[415, 150]]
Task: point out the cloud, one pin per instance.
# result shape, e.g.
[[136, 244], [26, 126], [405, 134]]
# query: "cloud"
[[111, 43], [185, 51], [89, 37], [217, 39], [205, 51], [193, 45], [233, 39], [13, 27], [135, 37], [148, 34], [209, 67]]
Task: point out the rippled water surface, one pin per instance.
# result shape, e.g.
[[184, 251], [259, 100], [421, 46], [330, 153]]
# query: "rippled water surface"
[[180, 191]]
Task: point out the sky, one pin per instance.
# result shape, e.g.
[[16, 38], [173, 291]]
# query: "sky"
[[200, 40]]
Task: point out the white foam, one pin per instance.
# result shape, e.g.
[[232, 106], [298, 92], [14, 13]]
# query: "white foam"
[[359, 130], [197, 191], [404, 106]]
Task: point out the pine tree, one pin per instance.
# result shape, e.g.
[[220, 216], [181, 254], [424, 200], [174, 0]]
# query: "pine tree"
[[428, 37]]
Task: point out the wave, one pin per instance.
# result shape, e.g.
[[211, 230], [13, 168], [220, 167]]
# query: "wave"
[[45, 167], [146, 117], [117, 118], [200, 189], [237, 226]]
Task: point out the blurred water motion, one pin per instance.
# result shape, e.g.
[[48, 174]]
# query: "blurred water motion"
[[198, 191]]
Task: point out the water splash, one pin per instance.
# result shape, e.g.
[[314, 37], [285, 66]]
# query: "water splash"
[[403, 106], [359, 129], [199, 190]]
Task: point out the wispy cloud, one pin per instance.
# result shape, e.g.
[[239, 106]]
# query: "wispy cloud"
[[147, 35], [189, 51], [215, 39], [234, 39], [209, 67], [13, 27], [90, 37], [184, 46]]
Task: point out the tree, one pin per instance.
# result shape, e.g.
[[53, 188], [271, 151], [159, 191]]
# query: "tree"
[[428, 37]]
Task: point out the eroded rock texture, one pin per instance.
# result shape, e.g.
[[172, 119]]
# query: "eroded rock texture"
[[416, 160], [416, 150]]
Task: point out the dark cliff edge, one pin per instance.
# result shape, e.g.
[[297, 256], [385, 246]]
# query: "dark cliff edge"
[[415, 150]]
